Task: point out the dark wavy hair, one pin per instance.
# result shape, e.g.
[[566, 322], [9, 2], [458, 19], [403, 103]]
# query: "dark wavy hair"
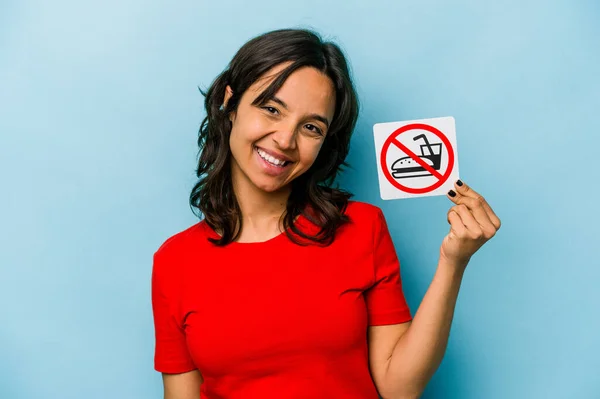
[[312, 194]]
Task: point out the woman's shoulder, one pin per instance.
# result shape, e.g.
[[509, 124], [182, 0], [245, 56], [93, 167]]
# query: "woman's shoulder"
[[362, 211], [363, 215], [182, 241]]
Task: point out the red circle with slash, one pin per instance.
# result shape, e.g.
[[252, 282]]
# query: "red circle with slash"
[[392, 139]]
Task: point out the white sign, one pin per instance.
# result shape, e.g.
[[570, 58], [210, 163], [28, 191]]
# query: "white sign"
[[417, 158]]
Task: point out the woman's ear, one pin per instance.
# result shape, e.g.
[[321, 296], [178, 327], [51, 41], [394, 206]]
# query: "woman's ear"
[[228, 94]]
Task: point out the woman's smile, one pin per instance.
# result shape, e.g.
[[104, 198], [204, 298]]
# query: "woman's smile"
[[272, 165]]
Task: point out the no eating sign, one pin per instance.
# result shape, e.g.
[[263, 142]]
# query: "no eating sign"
[[416, 158]]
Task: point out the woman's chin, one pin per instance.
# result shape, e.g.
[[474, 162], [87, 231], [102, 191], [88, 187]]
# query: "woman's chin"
[[271, 187]]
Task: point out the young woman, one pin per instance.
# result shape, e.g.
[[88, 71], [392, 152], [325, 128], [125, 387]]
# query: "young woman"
[[286, 289]]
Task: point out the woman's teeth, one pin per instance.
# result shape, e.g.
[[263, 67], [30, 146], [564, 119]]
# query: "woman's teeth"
[[270, 159]]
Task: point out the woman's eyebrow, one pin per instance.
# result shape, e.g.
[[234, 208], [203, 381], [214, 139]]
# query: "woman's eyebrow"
[[320, 118], [312, 116]]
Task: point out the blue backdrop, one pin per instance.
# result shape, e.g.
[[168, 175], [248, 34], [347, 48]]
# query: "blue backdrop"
[[99, 111]]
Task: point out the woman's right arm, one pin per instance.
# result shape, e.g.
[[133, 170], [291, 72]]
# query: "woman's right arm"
[[183, 385]]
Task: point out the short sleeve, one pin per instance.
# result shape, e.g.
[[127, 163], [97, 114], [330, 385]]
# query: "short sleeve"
[[385, 299], [171, 354]]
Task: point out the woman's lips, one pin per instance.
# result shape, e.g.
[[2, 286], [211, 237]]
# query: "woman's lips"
[[268, 167]]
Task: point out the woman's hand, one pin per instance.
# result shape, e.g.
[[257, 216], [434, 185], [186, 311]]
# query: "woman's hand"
[[472, 224]]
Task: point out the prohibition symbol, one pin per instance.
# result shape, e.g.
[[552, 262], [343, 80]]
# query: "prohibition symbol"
[[413, 165]]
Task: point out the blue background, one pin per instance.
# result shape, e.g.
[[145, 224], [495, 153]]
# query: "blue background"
[[99, 111]]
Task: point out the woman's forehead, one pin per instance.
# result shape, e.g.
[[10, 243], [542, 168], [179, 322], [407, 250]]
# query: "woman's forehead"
[[305, 86]]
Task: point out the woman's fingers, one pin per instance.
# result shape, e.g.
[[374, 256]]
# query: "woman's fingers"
[[478, 211], [473, 229], [472, 223], [467, 191], [456, 225], [482, 211]]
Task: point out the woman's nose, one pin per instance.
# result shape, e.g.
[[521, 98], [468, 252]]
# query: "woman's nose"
[[285, 139]]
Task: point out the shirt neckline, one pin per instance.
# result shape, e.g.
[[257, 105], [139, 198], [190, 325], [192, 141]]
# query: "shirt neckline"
[[282, 235]]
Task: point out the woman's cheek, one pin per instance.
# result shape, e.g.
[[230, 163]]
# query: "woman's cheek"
[[259, 126], [309, 156]]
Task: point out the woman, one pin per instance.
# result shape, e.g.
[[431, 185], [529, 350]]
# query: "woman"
[[286, 289]]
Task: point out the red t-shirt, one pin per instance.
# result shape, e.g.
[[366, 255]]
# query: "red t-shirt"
[[275, 319]]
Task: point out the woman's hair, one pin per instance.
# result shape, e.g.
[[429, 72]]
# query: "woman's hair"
[[311, 193]]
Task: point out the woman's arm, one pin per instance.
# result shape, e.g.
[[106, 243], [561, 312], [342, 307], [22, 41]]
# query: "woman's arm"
[[182, 386], [419, 351]]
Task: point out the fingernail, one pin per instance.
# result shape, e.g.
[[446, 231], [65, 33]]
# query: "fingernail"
[[459, 183], [452, 193]]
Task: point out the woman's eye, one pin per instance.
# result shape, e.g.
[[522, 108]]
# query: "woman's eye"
[[271, 110], [313, 128]]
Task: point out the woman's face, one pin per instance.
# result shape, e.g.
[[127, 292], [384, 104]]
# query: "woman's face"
[[273, 144]]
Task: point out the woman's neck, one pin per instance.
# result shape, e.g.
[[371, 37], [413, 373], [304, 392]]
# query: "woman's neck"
[[261, 210]]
